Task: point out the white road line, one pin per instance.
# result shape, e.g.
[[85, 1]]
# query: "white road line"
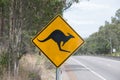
[[95, 73]]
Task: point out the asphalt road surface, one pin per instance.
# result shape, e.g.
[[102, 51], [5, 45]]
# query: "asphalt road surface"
[[90, 68]]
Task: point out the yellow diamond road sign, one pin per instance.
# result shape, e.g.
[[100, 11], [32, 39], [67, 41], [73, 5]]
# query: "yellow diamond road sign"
[[58, 41]]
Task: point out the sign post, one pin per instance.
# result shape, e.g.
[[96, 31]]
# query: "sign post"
[[58, 74], [58, 41]]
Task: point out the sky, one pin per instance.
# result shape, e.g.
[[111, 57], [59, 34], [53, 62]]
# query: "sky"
[[86, 17]]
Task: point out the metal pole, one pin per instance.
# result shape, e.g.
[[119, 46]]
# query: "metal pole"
[[57, 74]]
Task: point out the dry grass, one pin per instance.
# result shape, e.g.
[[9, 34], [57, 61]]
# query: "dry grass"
[[33, 67]]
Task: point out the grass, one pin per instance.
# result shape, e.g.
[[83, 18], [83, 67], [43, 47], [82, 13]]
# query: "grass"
[[116, 54], [37, 67], [33, 67]]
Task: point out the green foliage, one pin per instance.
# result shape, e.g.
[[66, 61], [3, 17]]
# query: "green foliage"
[[106, 39], [3, 2], [4, 59], [3, 63], [118, 14]]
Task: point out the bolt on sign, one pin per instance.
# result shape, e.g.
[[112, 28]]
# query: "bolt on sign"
[[58, 41]]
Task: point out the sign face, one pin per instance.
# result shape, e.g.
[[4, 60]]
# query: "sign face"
[[58, 41]]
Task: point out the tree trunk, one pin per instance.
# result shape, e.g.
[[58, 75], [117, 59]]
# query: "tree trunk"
[[11, 37], [1, 21], [15, 32], [18, 32]]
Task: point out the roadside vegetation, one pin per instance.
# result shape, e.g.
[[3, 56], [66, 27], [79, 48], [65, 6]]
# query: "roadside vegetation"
[[106, 41], [20, 21]]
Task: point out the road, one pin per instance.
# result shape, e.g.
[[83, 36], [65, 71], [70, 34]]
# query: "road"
[[90, 68]]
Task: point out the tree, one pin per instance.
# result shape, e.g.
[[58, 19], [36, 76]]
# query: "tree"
[[106, 39], [117, 14], [22, 19]]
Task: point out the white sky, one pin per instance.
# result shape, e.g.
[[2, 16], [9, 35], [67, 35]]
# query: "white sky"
[[86, 17]]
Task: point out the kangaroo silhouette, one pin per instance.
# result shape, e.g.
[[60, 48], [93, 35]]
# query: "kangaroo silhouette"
[[58, 36]]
